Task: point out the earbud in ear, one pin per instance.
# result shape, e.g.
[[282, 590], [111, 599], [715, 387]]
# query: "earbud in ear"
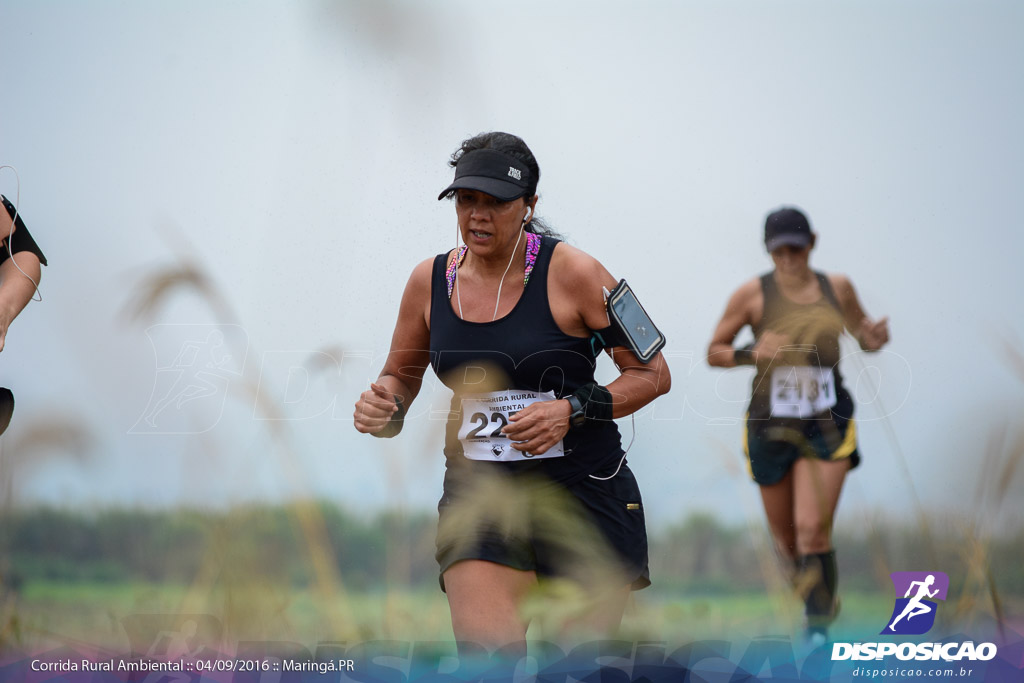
[[529, 212]]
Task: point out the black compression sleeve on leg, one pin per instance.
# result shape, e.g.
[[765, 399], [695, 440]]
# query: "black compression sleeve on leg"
[[823, 576]]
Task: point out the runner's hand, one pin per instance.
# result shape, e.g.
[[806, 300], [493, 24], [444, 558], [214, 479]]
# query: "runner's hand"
[[539, 426], [767, 347], [374, 408], [874, 335]]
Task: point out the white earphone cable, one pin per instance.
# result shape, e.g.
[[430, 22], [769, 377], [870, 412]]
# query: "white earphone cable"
[[632, 418], [514, 250]]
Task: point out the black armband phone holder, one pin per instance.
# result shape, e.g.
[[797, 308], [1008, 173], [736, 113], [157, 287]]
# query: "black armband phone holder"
[[631, 326]]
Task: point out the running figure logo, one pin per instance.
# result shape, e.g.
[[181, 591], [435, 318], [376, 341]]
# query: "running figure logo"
[[195, 366], [914, 613]]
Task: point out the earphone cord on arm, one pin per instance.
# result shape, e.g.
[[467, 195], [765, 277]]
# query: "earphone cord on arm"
[[632, 418]]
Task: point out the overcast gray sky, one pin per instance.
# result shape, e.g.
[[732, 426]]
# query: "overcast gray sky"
[[294, 151]]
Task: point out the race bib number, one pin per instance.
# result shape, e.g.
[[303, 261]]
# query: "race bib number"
[[484, 415], [802, 391]]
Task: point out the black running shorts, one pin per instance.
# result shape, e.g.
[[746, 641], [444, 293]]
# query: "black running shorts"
[[773, 445], [584, 531]]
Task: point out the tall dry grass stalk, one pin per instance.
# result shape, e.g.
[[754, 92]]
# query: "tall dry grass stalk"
[[1001, 459], [57, 437], [248, 600]]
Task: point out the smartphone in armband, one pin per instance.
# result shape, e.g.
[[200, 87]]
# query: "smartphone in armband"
[[634, 326]]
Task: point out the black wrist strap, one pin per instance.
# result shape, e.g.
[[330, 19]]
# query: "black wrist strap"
[[395, 424], [744, 355], [596, 400]]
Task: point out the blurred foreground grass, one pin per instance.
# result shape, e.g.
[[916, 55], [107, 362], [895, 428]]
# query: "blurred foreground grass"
[[71, 578], [51, 614]]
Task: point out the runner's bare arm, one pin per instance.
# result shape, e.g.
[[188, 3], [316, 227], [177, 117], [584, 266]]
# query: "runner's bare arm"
[[637, 384], [738, 313], [18, 279], [872, 335], [407, 360]]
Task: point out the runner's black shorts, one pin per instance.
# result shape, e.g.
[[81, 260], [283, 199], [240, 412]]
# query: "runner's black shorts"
[[585, 531], [772, 445]]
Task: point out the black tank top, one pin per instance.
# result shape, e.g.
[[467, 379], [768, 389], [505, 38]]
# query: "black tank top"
[[523, 350], [816, 328]]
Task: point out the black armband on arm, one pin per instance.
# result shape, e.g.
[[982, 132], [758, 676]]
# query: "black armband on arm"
[[395, 422], [636, 331], [596, 400], [22, 240], [744, 355]]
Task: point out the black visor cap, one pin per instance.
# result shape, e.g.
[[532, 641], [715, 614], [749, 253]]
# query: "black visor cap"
[[491, 172]]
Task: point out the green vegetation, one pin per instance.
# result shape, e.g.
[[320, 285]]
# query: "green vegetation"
[[75, 577]]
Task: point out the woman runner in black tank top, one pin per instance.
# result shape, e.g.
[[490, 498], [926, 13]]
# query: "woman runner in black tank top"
[[524, 350], [800, 436], [507, 322]]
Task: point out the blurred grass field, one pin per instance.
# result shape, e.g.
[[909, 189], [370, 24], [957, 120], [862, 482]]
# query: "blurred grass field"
[[68, 578], [51, 614]]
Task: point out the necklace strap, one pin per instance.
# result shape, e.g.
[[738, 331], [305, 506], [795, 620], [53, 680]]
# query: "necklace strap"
[[449, 275], [533, 241]]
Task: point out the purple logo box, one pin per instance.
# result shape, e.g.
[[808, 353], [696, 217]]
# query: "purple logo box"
[[915, 608]]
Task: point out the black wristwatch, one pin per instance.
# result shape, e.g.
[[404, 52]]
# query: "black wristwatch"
[[578, 415]]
